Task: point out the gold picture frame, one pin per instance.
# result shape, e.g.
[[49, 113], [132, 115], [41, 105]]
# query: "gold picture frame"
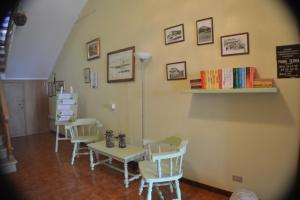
[[93, 49]]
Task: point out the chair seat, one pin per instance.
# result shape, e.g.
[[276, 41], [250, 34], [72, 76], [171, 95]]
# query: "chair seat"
[[86, 139], [148, 170]]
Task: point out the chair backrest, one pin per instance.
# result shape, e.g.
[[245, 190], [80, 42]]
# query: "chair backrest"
[[83, 127], [169, 164]]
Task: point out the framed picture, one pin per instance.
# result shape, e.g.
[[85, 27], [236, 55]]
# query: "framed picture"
[[205, 32], [176, 71], [87, 75], [236, 44], [58, 86], [174, 34], [93, 49], [50, 89], [121, 65]]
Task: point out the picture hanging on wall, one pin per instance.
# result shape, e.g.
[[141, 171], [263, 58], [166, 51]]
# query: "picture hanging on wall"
[[94, 79], [120, 65], [174, 34], [87, 75], [176, 71], [236, 44], [205, 32], [93, 49]]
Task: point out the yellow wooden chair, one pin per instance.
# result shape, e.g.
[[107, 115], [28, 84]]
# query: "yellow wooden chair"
[[163, 167], [83, 131]]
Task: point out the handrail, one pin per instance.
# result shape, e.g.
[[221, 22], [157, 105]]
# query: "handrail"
[[4, 123]]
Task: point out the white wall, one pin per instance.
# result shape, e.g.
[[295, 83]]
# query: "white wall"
[[255, 136]]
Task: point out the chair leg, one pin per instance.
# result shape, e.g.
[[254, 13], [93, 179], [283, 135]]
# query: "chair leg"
[[161, 196], [74, 153], [171, 187], [149, 191], [141, 186], [178, 190]]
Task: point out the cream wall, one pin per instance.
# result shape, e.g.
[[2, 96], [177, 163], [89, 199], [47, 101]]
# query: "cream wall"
[[255, 136]]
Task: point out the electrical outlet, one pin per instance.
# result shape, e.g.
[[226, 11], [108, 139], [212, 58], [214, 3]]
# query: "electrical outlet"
[[237, 178]]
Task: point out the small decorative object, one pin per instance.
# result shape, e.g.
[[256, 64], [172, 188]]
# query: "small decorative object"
[[122, 142], [59, 85], [195, 83], [176, 71], [87, 75], [205, 33], [109, 139], [236, 44], [174, 34], [243, 194], [94, 80], [20, 18], [120, 65], [93, 49]]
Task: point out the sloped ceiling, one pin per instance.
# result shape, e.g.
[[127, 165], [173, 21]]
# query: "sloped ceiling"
[[36, 45]]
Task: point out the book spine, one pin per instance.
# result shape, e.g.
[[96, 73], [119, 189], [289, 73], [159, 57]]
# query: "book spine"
[[220, 78], [247, 77], [240, 77], [202, 75], [207, 79]]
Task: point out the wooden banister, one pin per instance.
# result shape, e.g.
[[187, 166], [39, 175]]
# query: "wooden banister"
[[4, 123]]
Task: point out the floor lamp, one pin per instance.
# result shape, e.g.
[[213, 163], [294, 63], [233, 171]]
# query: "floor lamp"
[[143, 56]]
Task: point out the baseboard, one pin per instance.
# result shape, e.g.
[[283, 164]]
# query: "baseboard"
[[206, 187]]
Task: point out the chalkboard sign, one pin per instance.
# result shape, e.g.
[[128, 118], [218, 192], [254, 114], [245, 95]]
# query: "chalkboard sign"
[[288, 61]]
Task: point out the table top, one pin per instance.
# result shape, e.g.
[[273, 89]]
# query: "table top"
[[130, 152]]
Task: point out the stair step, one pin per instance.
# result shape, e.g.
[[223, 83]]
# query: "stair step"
[[8, 166], [3, 152]]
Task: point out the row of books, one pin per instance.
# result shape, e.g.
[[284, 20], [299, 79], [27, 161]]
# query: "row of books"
[[241, 77], [227, 78]]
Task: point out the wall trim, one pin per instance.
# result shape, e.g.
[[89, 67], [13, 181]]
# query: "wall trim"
[[206, 187], [25, 79]]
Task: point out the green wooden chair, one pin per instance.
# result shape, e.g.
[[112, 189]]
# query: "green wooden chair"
[[83, 131], [163, 167]]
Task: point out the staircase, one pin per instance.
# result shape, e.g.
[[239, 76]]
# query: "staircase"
[[6, 165]]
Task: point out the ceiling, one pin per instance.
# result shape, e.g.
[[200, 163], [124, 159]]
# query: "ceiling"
[[36, 45]]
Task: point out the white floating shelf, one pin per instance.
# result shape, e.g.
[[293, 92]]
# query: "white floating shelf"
[[236, 90]]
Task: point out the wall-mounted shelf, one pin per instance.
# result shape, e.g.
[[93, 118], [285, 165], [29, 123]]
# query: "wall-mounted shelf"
[[237, 90]]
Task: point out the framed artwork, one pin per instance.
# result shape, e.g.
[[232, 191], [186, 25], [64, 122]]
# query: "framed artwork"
[[50, 89], [205, 32], [174, 34], [236, 44], [93, 49], [87, 75], [176, 71], [121, 65], [58, 86]]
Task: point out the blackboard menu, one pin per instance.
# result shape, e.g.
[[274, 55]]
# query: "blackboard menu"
[[288, 61]]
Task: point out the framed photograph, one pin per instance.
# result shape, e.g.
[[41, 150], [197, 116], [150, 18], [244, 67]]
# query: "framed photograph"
[[174, 34], [58, 86], [176, 71], [236, 44], [50, 89], [121, 65], [93, 49], [87, 75], [205, 31]]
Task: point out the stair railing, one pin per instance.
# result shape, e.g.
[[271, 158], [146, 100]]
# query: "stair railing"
[[4, 114]]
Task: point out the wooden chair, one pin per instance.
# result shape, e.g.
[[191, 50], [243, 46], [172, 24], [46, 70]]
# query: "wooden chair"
[[83, 131], [163, 167]]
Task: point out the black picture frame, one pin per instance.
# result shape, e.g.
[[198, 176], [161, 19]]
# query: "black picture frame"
[[174, 34], [176, 71], [236, 44], [205, 31]]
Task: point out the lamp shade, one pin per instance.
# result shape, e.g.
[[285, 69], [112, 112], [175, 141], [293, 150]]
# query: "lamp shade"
[[143, 55]]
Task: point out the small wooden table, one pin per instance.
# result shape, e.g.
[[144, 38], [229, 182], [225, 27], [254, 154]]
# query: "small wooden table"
[[124, 155]]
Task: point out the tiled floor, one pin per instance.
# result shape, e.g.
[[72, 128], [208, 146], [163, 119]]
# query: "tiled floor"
[[44, 174]]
